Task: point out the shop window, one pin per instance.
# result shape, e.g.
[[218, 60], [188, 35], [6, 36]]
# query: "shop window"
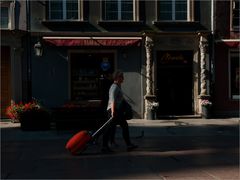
[[88, 75], [235, 14], [173, 10], [234, 75], [120, 10], [65, 10]]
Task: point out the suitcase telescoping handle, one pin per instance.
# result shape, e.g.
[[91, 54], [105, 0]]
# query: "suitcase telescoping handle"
[[102, 127]]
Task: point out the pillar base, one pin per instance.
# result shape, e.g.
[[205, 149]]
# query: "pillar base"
[[149, 113]]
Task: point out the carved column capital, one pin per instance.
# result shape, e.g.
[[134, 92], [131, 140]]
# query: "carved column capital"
[[203, 45], [148, 42]]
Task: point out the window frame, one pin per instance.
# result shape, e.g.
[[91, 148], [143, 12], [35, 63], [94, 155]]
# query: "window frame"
[[232, 53], [135, 12], [233, 28], [190, 12], [64, 11]]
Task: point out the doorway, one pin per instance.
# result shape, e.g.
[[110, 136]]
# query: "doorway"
[[174, 82], [5, 80]]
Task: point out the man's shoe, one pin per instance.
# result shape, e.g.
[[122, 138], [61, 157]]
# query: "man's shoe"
[[131, 147], [106, 150]]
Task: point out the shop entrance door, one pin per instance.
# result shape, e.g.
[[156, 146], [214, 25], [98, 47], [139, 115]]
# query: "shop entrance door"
[[174, 82]]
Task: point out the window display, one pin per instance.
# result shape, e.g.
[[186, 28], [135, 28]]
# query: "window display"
[[87, 74]]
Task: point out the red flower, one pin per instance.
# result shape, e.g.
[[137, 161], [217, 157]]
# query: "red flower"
[[14, 111]]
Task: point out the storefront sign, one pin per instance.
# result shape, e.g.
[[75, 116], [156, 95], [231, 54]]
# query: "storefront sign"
[[174, 57]]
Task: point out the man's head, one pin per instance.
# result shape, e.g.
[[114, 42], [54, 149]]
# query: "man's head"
[[118, 76]]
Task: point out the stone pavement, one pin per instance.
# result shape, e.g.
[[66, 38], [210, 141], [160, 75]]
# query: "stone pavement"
[[168, 149]]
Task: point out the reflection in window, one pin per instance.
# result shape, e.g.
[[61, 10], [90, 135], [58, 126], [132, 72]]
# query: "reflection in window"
[[4, 17], [234, 75], [118, 9], [172, 10], [63, 10], [235, 14]]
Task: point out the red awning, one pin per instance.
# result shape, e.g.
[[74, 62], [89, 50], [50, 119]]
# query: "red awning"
[[88, 41], [230, 43], [233, 44]]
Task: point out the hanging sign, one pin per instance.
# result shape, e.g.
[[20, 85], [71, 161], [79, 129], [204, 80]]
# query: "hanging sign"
[[105, 65]]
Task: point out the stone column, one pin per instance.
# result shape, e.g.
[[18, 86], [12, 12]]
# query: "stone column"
[[148, 46], [203, 45], [149, 97], [204, 57]]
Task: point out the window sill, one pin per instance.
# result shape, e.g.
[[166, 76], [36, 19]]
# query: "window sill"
[[125, 26], [61, 22], [179, 25], [120, 23], [2, 28], [67, 25]]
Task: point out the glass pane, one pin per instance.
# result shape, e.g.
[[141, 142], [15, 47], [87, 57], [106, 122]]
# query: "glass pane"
[[236, 22], [165, 10], [235, 76], [127, 5], [4, 17], [165, 16], [181, 10], [127, 10], [111, 16], [111, 7], [236, 19], [72, 9], [127, 16], [56, 9], [165, 6], [181, 15]]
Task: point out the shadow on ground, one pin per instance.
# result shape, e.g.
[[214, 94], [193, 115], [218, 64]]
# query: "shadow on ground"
[[162, 150]]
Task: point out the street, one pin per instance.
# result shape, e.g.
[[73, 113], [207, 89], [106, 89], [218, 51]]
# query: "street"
[[167, 150]]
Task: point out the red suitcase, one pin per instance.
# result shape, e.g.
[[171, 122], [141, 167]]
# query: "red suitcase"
[[78, 143]]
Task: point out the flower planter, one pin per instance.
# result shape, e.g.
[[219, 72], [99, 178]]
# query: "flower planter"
[[35, 120], [206, 112], [15, 120]]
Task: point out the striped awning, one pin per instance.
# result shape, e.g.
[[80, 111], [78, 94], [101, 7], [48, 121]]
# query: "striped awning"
[[93, 41]]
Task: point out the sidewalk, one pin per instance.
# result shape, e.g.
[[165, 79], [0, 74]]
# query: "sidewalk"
[[181, 149], [160, 123], [138, 127]]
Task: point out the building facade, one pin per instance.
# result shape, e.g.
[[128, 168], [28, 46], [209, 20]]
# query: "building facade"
[[158, 44], [226, 58], [164, 49], [13, 35]]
